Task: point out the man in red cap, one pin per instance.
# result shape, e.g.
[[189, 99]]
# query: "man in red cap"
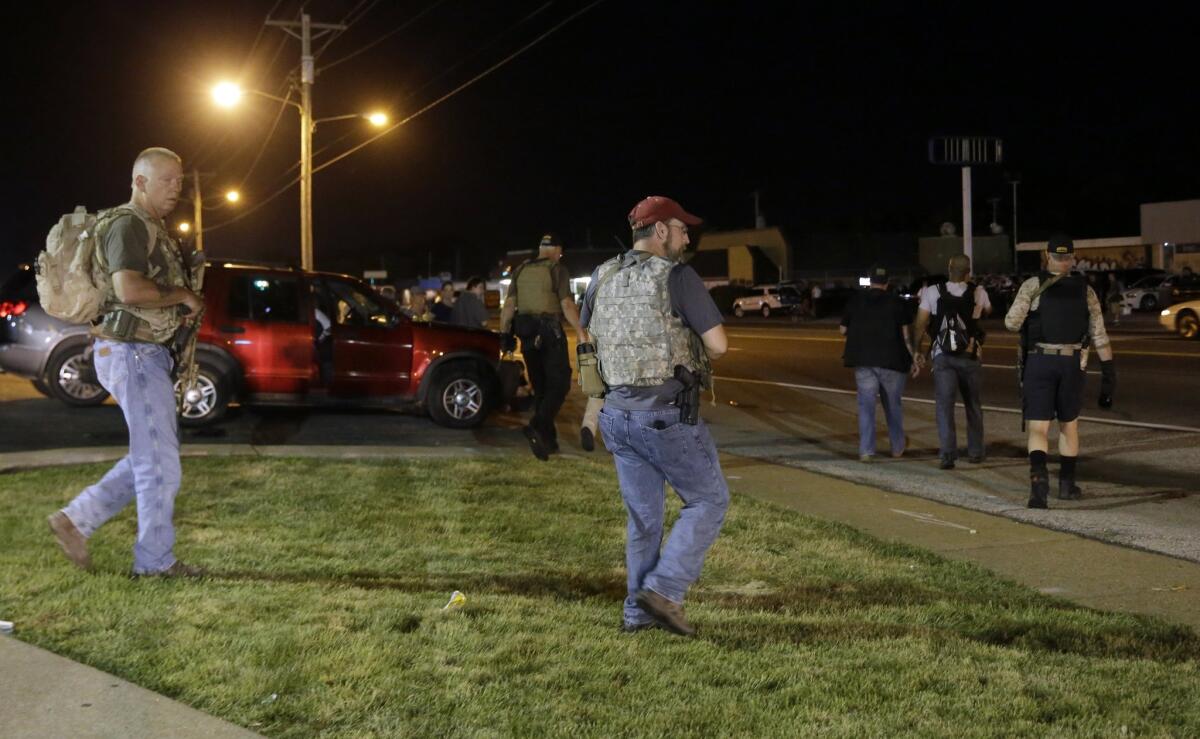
[[656, 329]]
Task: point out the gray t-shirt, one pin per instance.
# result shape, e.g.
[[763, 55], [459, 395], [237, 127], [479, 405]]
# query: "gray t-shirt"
[[692, 303], [469, 310]]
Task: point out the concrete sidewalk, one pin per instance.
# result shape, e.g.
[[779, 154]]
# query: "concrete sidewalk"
[[44, 695]]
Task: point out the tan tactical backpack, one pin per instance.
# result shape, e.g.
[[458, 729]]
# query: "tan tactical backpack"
[[70, 283]]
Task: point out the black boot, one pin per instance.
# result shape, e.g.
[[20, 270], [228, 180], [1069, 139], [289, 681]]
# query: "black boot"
[[1068, 490], [1039, 489]]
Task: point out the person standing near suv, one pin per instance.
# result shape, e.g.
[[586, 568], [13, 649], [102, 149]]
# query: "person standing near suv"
[[539, 296], [148, 283], [876, 329], [953, 305]]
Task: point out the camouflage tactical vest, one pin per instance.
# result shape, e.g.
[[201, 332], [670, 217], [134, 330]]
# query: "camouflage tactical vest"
[[157, 325], [535, 288], [638, 338]]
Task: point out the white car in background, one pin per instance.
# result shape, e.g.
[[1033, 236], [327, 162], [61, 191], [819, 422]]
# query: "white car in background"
[[1183, 319], [766, 299]]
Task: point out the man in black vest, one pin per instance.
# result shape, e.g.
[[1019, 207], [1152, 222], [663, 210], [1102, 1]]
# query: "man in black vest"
[[1061, 316], [950, 312]]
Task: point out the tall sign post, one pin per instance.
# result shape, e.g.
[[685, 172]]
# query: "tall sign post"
[[966, 152]]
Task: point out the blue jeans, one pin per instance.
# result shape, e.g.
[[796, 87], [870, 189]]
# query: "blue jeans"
[[139, 378], [887, 385], [953, 376], [650, 448]]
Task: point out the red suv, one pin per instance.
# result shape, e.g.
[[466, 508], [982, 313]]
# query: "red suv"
[[273, 336]]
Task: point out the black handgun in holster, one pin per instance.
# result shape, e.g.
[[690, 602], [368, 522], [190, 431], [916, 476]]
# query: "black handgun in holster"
[[688, 399]]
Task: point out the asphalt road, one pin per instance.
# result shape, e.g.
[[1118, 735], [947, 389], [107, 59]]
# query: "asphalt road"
[[784, 396]]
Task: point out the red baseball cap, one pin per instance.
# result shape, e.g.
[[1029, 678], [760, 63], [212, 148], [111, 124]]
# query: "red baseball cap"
[[658, 208]]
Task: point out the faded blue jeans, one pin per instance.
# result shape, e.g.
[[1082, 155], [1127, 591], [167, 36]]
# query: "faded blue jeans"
[[139, 378], [887, 385], [651, 448], [951, 376]]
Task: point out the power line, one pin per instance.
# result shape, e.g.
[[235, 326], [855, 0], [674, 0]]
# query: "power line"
[[347, 20], [481, 49], [384, 37], [461, 87]]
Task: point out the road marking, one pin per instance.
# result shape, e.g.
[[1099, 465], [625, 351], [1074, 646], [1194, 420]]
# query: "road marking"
[[930, 518], [842, 339], [995, 408]]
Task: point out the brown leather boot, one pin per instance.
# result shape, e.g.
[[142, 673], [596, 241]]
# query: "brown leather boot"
[[667, 613], [73, 543]]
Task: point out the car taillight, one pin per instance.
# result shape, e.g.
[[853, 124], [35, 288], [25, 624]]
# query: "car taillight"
[[11, 308]]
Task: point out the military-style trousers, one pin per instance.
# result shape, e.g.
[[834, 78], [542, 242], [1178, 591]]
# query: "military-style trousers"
[[550, 374]]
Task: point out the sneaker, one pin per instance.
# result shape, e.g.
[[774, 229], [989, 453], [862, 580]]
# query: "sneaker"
[[587, 440], [179, 569], [668, 614], [536, 444], [73, 543], [630, 628], [947, 463], [866, 457]]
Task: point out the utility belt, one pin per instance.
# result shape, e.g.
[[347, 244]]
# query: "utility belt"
[[538, 327], [1064, 350], [121, 325]]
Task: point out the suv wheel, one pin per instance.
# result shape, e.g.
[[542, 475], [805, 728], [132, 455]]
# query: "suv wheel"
[[1188, 325], [210, 400], [70, 378], [1149, 302], [738, 311], [766, 310], [459, 397]]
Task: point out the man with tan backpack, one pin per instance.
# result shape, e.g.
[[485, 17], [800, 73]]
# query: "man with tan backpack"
[[140, 282]]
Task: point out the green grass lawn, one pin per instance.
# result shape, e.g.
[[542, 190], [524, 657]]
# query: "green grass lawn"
[[325, 616]]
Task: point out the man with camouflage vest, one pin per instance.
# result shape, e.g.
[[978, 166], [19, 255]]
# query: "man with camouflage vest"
[[539, 296], [655, 329], [147, 282]]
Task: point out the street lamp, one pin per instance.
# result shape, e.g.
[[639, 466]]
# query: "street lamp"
[[228, 94], [233, 196], [184, 227]]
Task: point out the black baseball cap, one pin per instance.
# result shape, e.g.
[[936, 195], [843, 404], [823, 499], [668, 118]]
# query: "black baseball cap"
[[1060, 244], [878, 275], [550, 240]]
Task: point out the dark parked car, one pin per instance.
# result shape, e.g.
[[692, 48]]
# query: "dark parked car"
[[54, 355]]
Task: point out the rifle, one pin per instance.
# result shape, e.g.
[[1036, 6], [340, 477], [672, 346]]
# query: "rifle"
[[688, 399], [183, 344]]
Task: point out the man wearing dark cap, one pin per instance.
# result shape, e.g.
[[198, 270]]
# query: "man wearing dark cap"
[[539, 296], [875, 325], [656, 329], [1059, 316]]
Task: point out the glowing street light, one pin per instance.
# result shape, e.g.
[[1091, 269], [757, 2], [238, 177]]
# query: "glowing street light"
[[227, 94], [233, 196], [184, 227]]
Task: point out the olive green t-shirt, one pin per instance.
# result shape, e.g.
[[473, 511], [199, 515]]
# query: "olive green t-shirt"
[[126, 246]]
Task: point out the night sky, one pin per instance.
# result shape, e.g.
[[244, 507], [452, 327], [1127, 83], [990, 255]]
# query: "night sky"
[[826, 111]]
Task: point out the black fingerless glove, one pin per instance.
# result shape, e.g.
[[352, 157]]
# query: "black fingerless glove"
[[1108, 383]]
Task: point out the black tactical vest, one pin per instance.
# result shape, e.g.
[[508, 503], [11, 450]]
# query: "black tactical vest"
[[1062, 314]]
